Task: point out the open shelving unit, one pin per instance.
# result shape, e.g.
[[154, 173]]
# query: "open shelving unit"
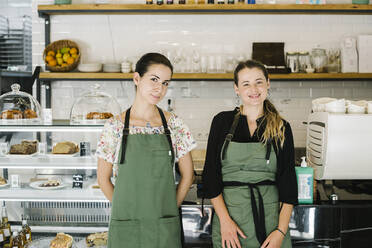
[[202, 76], [80, 9]]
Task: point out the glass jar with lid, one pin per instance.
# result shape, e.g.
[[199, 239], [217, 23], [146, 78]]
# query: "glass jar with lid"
[[20, 108], [292, 61], [303, 61], [319, 59], [94, 108]]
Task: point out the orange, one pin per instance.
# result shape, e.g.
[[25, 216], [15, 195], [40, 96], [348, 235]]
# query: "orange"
[[70, 61], [64, 64], [51, 53], [48, 58], [73, 50], [52, 62]]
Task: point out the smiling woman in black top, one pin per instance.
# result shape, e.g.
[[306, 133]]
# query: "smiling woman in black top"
[[249, 169]]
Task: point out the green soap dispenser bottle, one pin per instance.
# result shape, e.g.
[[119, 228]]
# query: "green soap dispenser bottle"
[[305, 179]]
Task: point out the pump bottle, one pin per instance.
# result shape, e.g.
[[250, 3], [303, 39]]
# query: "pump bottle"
[[305, 178]]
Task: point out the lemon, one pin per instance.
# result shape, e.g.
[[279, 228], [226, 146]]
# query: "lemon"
[[65, 57], [59, 55], [59, 61]]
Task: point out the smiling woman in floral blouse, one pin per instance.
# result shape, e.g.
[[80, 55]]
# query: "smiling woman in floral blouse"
[[141, 146]]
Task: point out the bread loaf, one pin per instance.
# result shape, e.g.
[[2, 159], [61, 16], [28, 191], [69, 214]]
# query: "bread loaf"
[[26, 147], [65, 148]]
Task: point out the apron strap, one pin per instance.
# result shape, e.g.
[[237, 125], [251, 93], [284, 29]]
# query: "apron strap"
[[268, 151], [167, 132], [126, 133], [230, 135], [258, 214], [125, 136]]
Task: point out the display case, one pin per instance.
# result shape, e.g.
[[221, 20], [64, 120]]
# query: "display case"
[[94, 107], [77, 205], [18, 107]]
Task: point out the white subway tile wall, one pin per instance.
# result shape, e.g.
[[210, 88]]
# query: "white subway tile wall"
[[111, 38]]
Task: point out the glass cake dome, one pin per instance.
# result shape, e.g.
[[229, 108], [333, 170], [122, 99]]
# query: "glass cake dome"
[[93, 108], [18, 107]]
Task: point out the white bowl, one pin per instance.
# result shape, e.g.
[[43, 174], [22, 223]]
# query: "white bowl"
[[339, 103], [111, 67], [369, 107], [356, 109], [331, 109], [125, 70], [318, 104], [309, 70], [92, 67]]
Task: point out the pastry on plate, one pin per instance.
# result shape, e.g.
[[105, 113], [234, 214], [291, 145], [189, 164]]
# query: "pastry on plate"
[[66, 147], [29, 114], [2, 181], [99, 115], [62, 240], [11, 114], [50, 183], [97, 239]]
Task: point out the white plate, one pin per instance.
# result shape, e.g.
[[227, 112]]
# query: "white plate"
[[20, 155], [51, 155], [4, 185], [89, 122], [83, 244], [44, 243], [36, 184]]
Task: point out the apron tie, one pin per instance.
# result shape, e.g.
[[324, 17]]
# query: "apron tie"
[[258, 214], [126, 133]]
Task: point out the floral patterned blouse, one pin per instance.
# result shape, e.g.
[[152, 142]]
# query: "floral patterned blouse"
[[109, 144]]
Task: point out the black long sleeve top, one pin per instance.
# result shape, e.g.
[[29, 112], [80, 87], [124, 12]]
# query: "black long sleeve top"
[[212, 177]]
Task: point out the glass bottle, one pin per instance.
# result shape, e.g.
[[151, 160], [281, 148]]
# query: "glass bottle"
[[303, 61], [5, 226], [2, 236], [26, 232], [16, 241], [292, 61], [319, 59]]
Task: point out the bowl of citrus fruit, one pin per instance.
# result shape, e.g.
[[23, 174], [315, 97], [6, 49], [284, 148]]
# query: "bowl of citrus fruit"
[[61, 56]]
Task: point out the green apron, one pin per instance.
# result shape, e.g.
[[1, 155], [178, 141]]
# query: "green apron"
[[248, 174], [144, 207]]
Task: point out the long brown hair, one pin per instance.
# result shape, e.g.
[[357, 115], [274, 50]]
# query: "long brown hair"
[[274, 122]]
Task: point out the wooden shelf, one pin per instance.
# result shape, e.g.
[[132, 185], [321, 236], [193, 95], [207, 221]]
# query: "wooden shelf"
[[45, 10], [202, 76]]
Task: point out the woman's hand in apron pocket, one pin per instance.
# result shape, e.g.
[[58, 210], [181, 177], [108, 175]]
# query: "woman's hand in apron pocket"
[[274, 240], [229, 234]]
